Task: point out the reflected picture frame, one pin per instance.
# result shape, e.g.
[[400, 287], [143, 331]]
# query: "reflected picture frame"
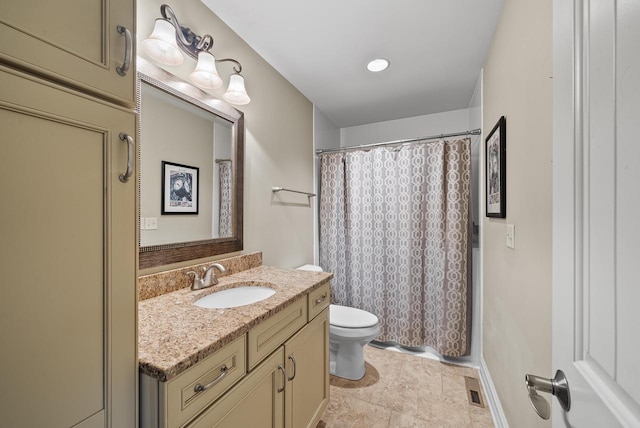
[[179, 188], [495, 156]]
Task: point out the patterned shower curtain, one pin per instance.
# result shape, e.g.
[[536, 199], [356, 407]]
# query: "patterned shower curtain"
[[225, 222], [394, 230]]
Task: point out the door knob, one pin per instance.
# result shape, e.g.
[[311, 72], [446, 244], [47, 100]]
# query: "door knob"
[[558, 386]]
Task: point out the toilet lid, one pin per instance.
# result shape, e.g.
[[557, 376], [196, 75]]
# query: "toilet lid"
[[346, 317]]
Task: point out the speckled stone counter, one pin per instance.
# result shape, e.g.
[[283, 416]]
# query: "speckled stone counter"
[[174, 334]]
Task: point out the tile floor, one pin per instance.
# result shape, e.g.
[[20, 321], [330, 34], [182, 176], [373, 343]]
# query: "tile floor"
[[401, 391]]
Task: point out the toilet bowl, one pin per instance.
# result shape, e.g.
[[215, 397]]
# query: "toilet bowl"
[[350, 329]]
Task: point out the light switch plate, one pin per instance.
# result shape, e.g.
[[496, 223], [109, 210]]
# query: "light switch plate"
[[151, 223], [511, 236]]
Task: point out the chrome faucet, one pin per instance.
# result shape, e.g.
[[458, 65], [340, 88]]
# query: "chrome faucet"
[[209, 277]]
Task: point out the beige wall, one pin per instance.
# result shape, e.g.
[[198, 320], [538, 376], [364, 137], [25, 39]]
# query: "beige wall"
[[517, 282], [279, 138]]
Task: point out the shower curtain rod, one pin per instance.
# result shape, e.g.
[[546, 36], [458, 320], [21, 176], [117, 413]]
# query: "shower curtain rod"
[[477, 131]]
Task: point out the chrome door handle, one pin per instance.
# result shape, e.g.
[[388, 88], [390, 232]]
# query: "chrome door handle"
[[284, 377], [321, 299], [223, 372], [128, 49], [558, 386], [130, 156], [293, 361]]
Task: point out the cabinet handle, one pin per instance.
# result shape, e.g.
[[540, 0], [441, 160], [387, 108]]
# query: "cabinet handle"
[[321, 299], [223, 372], [293, 361], [284, 378], [128, 48], [130, 156]]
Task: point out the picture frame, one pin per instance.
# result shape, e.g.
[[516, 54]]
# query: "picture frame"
[[496, 170], [179, 188]]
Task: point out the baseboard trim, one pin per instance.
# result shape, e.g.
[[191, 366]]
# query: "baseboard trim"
[[499, 420]]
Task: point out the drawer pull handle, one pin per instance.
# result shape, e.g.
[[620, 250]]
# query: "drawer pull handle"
[[128, 48], [284, 377], [223, 372], [124, 177], [293, 361], [321, 299]]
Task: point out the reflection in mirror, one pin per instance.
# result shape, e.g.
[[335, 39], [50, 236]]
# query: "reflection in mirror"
[[190, 136], [191, 156]]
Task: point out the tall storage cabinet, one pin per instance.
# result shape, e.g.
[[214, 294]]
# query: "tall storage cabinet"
[[76, 42], [68, 250]]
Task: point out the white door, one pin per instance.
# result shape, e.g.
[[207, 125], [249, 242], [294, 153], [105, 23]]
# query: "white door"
[[596, 207]]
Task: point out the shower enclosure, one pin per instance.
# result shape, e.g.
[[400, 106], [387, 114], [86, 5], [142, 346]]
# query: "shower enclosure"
[[395, 231]]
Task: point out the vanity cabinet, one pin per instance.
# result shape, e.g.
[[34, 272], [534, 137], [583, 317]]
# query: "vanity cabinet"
[[291, 394], [68, 300], [307, 367], [75, 42], [256, 402], [286, 382]]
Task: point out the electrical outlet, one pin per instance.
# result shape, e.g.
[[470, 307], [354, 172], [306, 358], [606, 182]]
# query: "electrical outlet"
[[511, 236], [151, 223]]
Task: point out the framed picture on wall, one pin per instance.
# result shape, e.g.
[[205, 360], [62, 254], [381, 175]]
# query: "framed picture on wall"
[[179, 188], [496, 170]]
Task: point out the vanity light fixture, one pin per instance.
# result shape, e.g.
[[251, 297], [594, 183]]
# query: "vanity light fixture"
[[169, 40], [378, 64]]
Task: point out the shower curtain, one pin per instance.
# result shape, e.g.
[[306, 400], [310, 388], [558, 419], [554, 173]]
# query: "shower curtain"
[[394, 230], [225, 221]]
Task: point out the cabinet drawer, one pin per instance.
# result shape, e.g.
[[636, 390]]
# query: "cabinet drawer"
[[319, 299], [271, 333], [183, 400]]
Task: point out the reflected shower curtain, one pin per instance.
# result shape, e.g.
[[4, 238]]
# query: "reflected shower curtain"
[[394, 230], [225, 221]]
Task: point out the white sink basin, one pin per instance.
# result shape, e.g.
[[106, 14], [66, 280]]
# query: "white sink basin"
[[234, 297]]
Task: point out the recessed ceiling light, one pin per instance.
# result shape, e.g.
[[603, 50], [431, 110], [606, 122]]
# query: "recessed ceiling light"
[[378, 64]]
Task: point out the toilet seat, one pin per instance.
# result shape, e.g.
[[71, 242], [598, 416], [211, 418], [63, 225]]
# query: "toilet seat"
[[346, 317]]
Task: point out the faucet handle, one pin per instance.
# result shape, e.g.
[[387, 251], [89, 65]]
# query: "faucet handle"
[[197, 281]]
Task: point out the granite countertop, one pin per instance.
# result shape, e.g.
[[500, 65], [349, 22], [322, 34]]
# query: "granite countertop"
[[174, 334]]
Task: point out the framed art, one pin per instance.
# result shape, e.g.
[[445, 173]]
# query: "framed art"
[[496, 170], [179, 188]]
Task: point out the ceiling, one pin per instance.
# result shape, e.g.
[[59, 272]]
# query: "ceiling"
[[436, 49]]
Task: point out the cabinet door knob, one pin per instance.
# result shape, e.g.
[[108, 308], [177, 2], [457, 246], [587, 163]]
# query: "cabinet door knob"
[[128, 49], [130, 156]]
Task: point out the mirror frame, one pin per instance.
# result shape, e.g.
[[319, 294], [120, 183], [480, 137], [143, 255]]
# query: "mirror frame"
[[157, 255]]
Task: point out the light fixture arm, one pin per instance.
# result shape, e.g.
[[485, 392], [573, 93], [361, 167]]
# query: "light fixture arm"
[[190, 42], [237, 68]]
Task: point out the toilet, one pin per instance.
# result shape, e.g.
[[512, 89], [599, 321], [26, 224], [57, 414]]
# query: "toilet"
[[350, 329]]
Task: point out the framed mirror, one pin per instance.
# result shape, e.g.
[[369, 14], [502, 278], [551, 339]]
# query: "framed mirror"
[[191, 158]]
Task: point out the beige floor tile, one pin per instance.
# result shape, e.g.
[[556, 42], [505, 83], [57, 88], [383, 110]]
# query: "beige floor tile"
[[399, 398], [402, 390], [454, 388], [481, 420], [400, 420], [358, 414], [444, 413], [422, 376]]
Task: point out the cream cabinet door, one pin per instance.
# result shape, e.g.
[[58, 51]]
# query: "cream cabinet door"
[[67, 258], [74, 41], [256, 402], [307, 364]]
